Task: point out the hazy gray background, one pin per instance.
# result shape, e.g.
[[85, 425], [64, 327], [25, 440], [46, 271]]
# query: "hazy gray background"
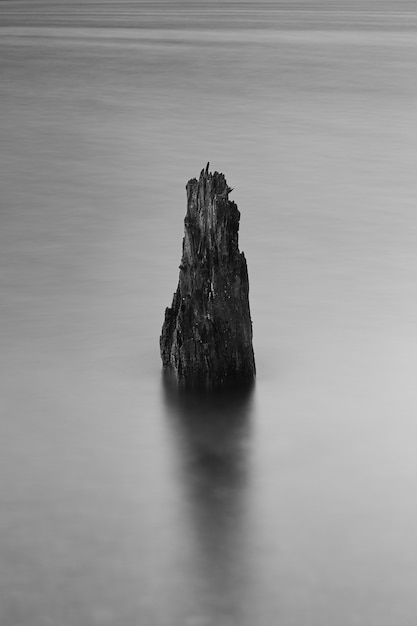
[[118, 504]]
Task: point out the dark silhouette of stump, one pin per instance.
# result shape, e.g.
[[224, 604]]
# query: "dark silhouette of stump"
[[206, 339]]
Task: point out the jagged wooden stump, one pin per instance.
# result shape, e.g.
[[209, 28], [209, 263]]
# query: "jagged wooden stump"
[[206, 339]]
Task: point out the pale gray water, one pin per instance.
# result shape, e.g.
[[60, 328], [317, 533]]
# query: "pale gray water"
[[119, 504]]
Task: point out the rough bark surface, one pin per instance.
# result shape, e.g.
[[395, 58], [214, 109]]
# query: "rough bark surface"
[[206, 339]]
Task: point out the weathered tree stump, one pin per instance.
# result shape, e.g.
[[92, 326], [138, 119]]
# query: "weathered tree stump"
[[206, 339]]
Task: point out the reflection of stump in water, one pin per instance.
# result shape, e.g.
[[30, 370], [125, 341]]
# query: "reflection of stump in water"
[[212, 431]]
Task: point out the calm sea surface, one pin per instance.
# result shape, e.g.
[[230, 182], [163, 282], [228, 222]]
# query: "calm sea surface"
[[120, 503]]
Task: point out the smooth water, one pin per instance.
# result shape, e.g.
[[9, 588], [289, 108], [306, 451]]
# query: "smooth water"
[[120, 502]]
